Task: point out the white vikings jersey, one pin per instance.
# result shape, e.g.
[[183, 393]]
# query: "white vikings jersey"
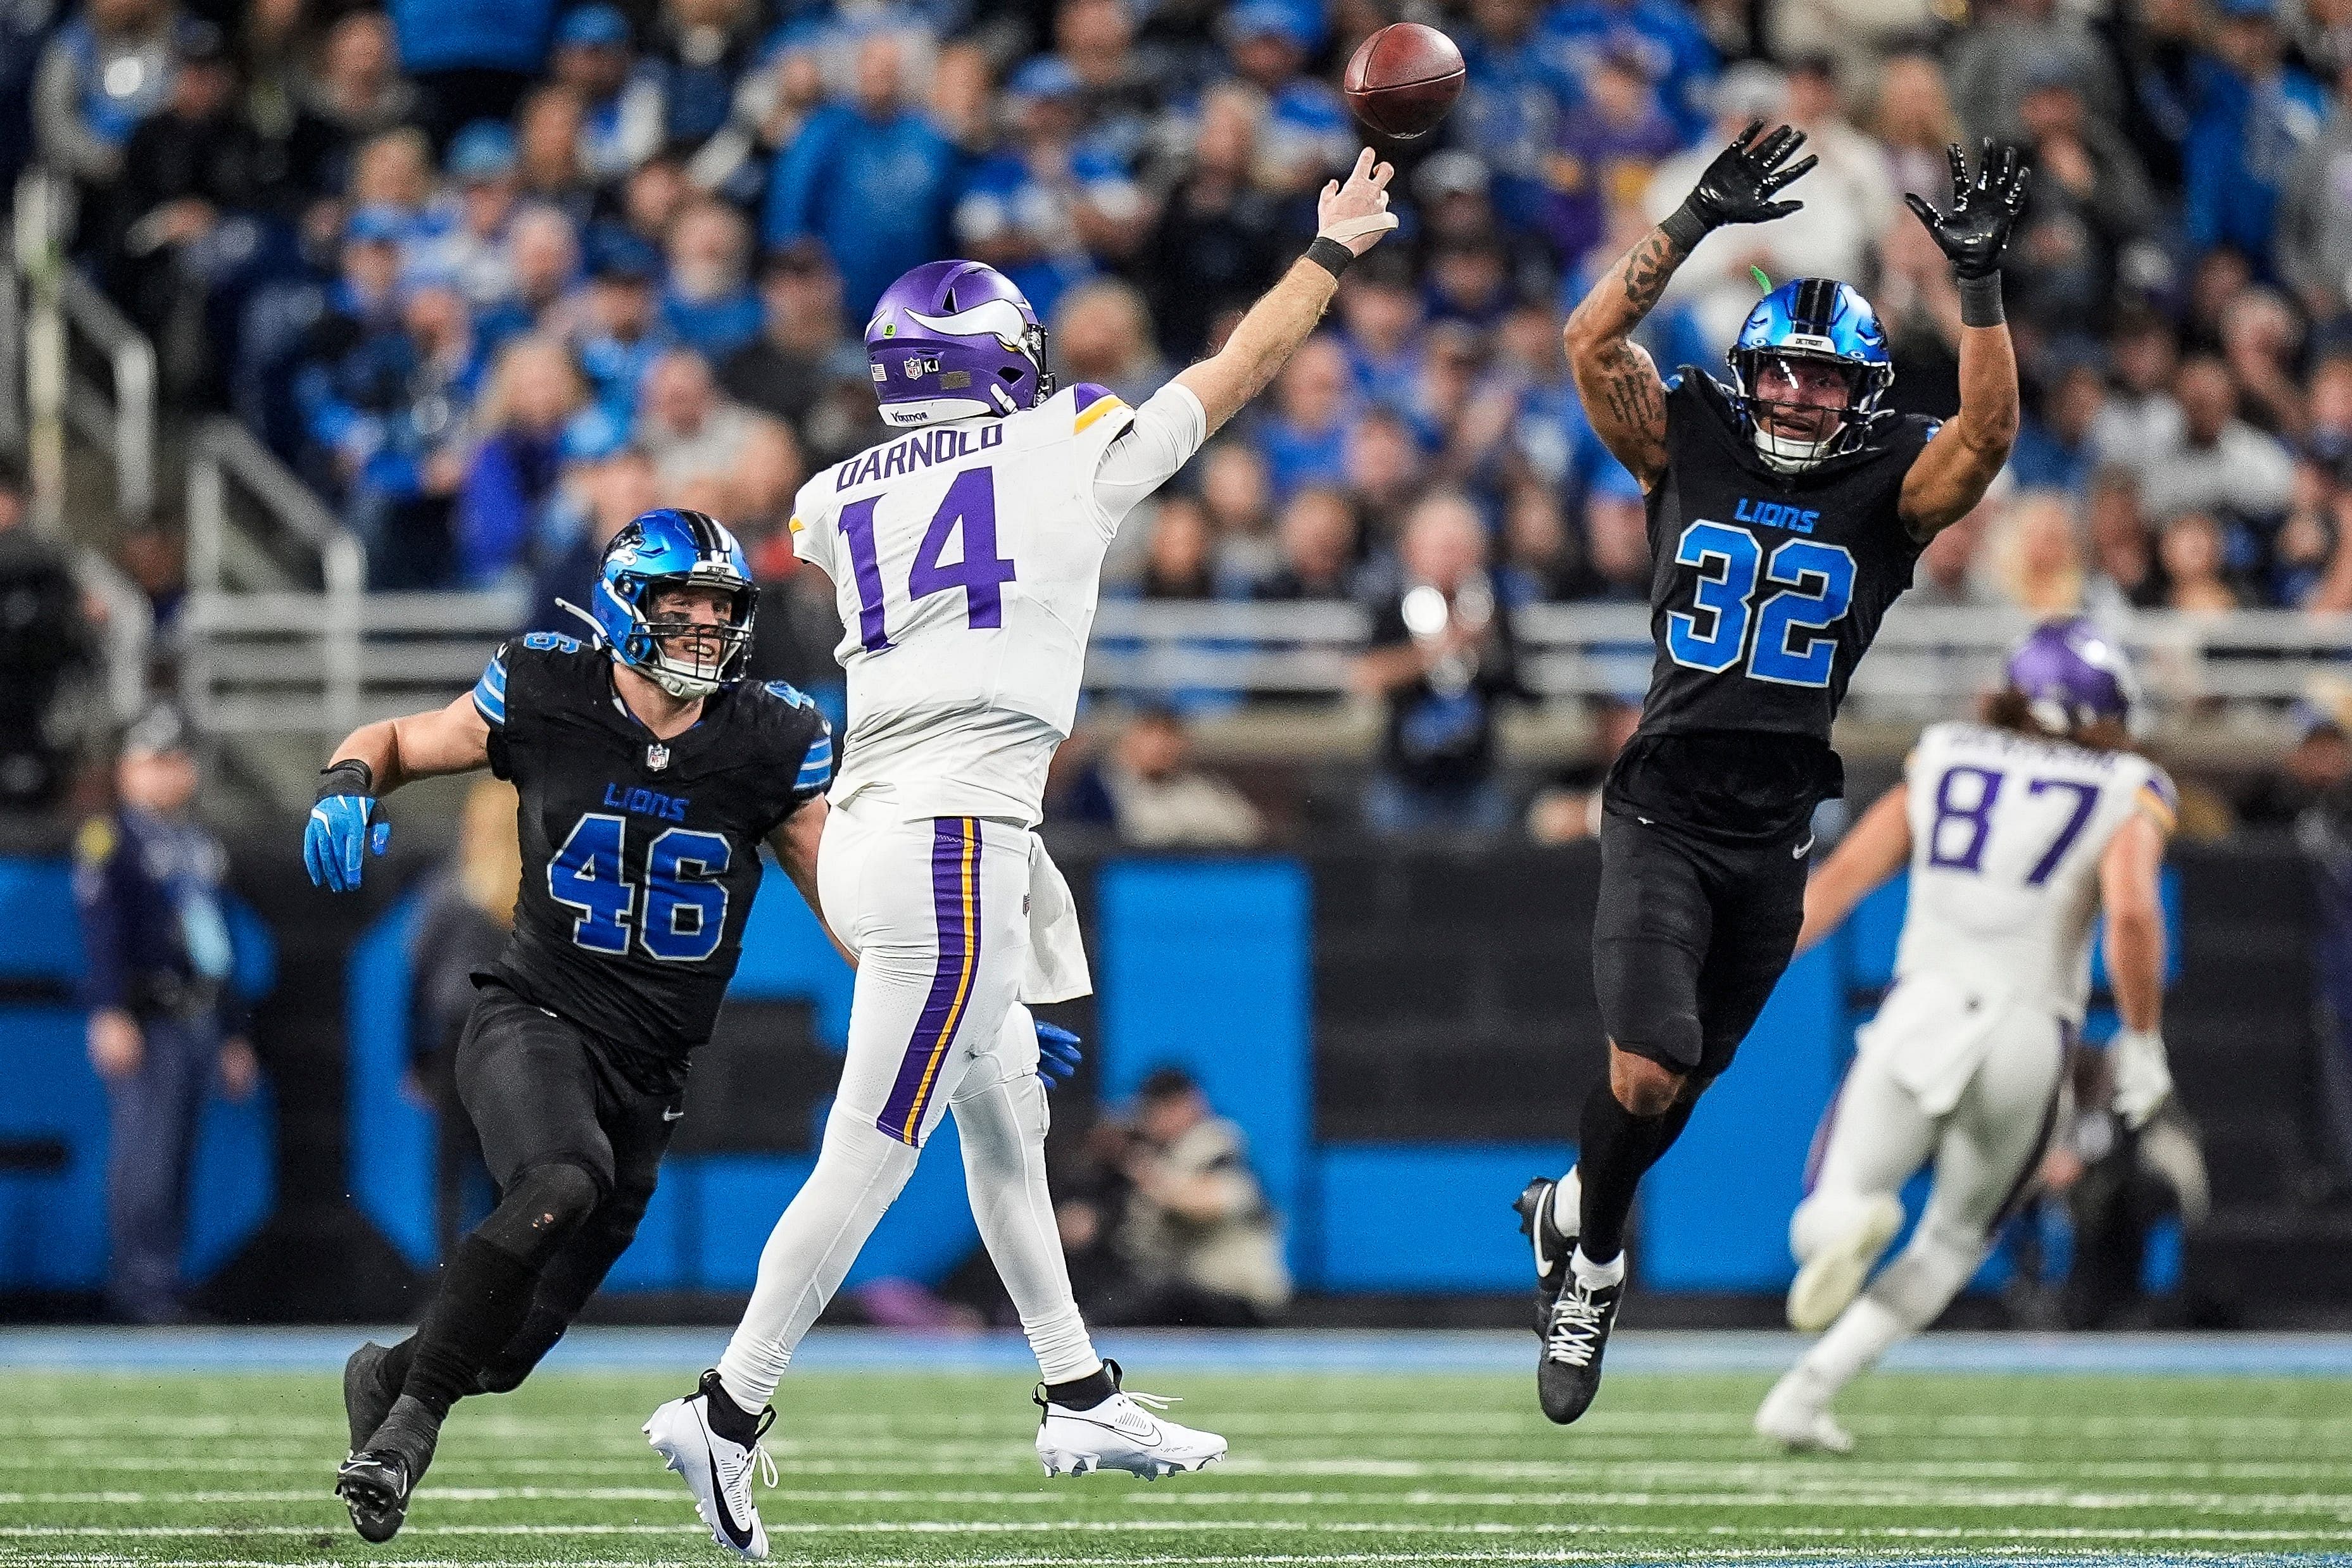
[[2007, 833], [965, 560]]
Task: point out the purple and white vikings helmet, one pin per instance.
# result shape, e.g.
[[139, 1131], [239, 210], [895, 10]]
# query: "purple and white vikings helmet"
[[2073, 674], [952, 340]]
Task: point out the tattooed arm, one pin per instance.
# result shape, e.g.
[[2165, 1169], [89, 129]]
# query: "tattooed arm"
[[1623, 394]]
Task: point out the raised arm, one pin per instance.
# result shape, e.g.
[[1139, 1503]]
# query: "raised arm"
[[372, 761], [1351, 218], [1951, 475], [1874, 850], [1615, 376]]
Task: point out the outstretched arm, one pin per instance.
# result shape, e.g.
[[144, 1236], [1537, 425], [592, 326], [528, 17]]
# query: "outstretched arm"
[[1351, 218], [2130, 885], [1615, 376], [1951, 475], [1875, 851], [345, 825]]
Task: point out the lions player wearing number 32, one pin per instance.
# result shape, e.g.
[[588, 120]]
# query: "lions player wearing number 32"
[[965, 555], [1786, 512]]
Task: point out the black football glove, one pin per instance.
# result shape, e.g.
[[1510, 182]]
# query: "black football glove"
[[1977, 229], [1740, 185]]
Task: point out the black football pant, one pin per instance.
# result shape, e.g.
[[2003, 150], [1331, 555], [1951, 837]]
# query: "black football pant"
[[1689, 938], [575, 1149]]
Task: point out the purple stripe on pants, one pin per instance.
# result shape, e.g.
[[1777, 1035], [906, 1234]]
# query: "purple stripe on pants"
[[955, 907]]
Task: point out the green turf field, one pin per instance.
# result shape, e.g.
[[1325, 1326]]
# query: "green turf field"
[[220, 1471]]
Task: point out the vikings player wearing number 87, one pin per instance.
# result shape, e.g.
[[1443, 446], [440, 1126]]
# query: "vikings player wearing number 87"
[[965, 555], [1786, 512]]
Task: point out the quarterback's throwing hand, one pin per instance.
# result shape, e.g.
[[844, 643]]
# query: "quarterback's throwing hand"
[[1975, 232], [1357, 214]]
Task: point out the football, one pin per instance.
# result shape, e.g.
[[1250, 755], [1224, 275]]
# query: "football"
[[1402, 81]]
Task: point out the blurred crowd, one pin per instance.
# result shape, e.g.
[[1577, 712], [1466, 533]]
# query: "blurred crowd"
[[494, 276]]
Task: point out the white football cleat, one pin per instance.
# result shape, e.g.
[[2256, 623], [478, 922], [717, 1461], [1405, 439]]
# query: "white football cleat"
[[1790, 1419], [717, 1471], [1119, 1434], [1832, 1276]]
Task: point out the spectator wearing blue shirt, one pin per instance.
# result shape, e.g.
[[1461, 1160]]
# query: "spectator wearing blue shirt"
[[1303, 438], [872, 181], [1664, 35], [2254, 116], [105, 71], [2053, 449], [1307, 131], [471, 59], [1043, 208], [620, 106], [534, 394], [621, 333], [472, 242], [166, 1020], [1517, 97], [1381, 318], [709, 304], [699, 51]]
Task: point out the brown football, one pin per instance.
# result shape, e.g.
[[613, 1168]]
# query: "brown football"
[[1402, 79]]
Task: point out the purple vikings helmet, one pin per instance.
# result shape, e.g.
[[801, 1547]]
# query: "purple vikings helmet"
[[952, 340], [2072, 675]]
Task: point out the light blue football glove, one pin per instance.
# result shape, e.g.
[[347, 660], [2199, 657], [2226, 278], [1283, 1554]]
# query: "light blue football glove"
[[340, 838], [1057, 1055]]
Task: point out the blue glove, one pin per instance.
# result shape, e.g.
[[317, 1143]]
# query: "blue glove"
[[1057, 1055], [340, 838]]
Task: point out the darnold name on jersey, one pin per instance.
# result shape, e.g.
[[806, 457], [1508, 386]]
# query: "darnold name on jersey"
[[919, 451]]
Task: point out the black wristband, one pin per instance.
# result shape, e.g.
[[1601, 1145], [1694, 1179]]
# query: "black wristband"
[[1330, 255], [1980, 301], [1685, 227], [349, 776]]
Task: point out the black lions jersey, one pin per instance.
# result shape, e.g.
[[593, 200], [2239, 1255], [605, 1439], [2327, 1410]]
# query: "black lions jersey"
[[640, 856], [1766, 589]]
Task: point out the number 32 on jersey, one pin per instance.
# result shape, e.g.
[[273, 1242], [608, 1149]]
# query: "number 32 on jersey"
[[1785, 637]]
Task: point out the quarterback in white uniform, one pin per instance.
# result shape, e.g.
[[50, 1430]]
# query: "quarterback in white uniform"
[[965, 555], [2017, 830]]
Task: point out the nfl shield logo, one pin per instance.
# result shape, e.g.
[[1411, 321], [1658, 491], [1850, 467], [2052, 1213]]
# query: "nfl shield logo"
[[657, 757]]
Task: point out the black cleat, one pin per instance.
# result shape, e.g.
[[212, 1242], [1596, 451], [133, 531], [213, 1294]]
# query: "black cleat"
[[1552, 1245], [375, 1486], [366, 1400], [1568, 1373]]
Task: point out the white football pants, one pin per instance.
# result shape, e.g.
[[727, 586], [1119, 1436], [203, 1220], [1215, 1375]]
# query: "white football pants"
[[1987, 1150], [936, 911]]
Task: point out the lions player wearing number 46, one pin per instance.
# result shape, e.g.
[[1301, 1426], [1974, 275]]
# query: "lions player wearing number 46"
[[1786, 512], [965, 559], [2018, 831]]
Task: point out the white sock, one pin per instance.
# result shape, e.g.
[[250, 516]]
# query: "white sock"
[[1863, 1334], [1002, 1130], [1593, 1276], [1567, 1205], [859, 1171]]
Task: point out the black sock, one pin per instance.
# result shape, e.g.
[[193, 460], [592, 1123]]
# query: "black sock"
[[485, 1294], [1614, 1149], [1082, 1393], [541, 1327], [392, 1370], [728, 1419]]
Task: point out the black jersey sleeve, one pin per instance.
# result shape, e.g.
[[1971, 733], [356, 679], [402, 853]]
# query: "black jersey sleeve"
[[514, 690], [796, 749]]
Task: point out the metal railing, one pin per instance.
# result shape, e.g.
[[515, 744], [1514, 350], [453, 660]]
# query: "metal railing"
[[240, 589], [298, 662]]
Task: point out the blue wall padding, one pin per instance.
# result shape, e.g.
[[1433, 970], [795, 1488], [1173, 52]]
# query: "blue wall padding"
[[1207, 965], [1425, 1217], [390, 1144], [1714, 1214]]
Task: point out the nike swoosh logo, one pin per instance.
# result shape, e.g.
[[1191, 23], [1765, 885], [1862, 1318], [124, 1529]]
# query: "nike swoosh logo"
[[1801, 851], [740, 1534], [668, 1115]]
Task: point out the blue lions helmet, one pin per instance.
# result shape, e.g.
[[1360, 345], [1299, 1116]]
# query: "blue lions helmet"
[[669, 549], [1795, 333]]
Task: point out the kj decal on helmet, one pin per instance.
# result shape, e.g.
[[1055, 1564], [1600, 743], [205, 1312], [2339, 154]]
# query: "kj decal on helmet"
[[1816, 321], [670, 549], [2073, 674], [954, 339]]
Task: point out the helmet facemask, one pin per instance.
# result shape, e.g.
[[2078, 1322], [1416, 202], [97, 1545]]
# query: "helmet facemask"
[[1804, 408]]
